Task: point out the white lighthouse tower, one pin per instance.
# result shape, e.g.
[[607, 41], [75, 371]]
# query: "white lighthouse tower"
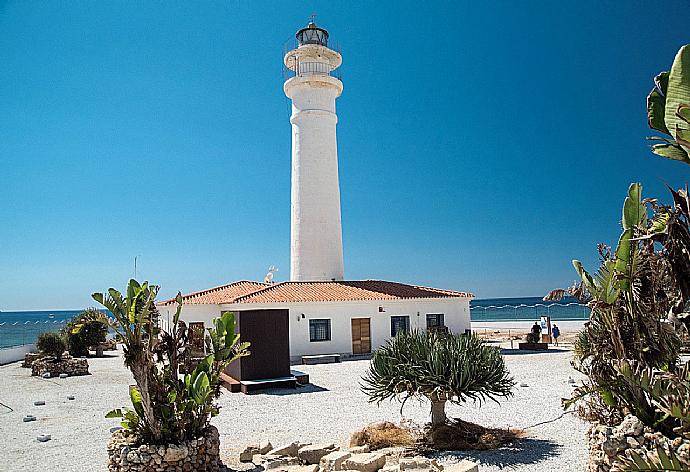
[[316, 251]]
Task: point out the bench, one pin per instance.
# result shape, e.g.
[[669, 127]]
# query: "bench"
[[321, 359]]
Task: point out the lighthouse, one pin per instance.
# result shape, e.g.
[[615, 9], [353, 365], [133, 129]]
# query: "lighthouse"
[[316, 247]]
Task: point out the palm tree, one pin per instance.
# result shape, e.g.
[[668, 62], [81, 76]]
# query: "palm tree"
[[440, 367]]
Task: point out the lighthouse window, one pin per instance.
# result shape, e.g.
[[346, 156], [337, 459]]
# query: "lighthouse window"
[[400, 324], [319, 330]]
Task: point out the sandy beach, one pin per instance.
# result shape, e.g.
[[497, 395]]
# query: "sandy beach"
[[328, 410]]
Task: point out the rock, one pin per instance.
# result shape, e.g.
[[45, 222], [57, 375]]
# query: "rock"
[[265, 447], [571, 380], [46, 375], [255, 449], [418, 463], [70, 397], [29, 418], [278, 462], [523, 384], [360, 449], [30, 357], [175, 453], [462, 466], [116, 428], [313, 453], [64, 375], [67, 365], [44, 437], [366, 462], [631, 426], [249, 452], [39, 403], [297, 468], [286, 450], [334, 460]]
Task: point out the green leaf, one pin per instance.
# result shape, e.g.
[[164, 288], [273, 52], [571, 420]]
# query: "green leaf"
[[135, 396], [671, 151], [114, 413], [634, 211], [656, 104], [678, 92]]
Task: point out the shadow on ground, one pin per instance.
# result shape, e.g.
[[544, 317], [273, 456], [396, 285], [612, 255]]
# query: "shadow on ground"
[[519, 352], [520, 452], [309, 388]]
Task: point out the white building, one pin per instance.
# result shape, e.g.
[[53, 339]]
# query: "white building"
[[341, 317], [327, 315]]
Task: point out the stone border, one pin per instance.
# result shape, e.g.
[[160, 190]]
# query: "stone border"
[[67, 365], [607, 443], [202, 454]]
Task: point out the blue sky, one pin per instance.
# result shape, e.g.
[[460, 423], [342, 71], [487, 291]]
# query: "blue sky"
[[482, 145]]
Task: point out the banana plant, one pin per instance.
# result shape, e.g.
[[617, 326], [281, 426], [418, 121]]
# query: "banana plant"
[[165, 407], [668, 109]]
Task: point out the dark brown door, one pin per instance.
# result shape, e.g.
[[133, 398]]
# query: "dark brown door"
[[361, 335]]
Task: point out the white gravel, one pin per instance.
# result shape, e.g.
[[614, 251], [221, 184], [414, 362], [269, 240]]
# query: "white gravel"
[[329, 410]]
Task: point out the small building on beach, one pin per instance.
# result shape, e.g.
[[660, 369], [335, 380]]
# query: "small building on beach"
[[334, 317]]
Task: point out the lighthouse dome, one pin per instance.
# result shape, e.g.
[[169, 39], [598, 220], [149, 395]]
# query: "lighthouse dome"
[[312, 34]]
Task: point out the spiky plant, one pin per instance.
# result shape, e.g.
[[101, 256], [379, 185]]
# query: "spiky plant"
[[439, 367]]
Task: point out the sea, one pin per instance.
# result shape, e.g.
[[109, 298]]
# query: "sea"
[[22, 327]]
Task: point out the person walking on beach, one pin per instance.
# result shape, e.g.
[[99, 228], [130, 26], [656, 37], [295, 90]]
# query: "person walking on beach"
[[555, 332]]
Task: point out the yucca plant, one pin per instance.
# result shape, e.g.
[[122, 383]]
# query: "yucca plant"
[[439, 367], [166, 408]]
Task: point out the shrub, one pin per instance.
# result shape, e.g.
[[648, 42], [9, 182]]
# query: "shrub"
[[380, 435], [167, 409], [52, 344], [438, 367], [85, 331]]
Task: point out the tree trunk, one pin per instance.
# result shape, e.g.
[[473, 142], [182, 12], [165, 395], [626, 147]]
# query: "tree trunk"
[[140, 371], [438, 412]]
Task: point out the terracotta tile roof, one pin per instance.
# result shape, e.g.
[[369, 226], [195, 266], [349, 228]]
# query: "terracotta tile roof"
[[217, 295], [293, 292]]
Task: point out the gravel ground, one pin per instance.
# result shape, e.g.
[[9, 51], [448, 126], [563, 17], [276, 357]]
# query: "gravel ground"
[[328, 410]]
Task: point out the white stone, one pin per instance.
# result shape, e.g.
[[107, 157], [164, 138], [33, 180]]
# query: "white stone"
[[360, 449], [44, 437], [175, 453], [286, 450], [367, 462], [463, 466], [334, 460], [64, 376], [39, 403], [631, 426], [313, 453]]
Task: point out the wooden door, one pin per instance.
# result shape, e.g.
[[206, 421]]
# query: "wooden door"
[[361, 335]]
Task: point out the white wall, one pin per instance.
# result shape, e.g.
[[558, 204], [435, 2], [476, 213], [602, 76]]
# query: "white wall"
[[456, 316], [15, 353]]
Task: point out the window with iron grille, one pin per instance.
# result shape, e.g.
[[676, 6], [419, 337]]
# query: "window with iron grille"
[[319, 330], [434, 320], [400, 324]]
